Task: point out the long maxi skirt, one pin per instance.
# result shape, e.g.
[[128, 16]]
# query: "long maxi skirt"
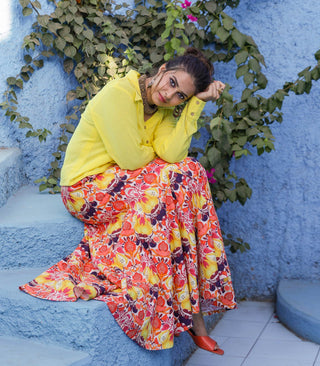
[[152, 250]]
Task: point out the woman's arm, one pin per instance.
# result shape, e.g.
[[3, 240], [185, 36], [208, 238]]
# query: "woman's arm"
[[172, 138]]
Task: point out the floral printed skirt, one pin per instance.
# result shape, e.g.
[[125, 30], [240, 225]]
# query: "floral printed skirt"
[[152, 250]]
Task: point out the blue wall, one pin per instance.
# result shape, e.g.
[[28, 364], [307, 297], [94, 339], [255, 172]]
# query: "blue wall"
[[281, 219]]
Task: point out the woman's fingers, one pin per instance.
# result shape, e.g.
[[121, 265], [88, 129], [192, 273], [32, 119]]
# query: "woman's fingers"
[[213, 92]]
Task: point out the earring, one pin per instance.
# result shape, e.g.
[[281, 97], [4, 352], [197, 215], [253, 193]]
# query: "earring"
[[151, 83]]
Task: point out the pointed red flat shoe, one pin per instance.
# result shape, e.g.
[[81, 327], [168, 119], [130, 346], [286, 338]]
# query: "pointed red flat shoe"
[[206, 343]]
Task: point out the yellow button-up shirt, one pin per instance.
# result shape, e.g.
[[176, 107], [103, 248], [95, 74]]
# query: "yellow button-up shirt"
[[112, 130]]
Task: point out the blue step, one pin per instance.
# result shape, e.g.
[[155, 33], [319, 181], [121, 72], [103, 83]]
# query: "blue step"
[[11, 172], [298, 307], [36, 230], [85, 326], [25, 352]]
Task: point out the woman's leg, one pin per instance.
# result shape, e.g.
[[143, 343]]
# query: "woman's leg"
[[199, 326]]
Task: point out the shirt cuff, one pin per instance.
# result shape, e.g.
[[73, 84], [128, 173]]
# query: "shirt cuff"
[[192, 113]]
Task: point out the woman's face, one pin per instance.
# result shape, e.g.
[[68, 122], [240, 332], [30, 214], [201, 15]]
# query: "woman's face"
[[171, 88]]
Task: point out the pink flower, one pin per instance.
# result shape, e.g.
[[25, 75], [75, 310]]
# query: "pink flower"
[[186, 4], [211, 179], [192, 18]]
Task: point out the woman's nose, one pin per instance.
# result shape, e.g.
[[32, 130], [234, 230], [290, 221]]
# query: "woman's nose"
[[170, 94]]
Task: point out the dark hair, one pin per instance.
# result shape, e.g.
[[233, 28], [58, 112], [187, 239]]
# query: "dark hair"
[[196, 64]]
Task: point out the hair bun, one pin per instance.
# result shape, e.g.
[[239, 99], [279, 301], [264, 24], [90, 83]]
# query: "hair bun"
[[192, 51]]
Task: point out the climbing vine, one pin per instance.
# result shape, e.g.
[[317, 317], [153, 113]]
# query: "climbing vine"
[[99, 40]]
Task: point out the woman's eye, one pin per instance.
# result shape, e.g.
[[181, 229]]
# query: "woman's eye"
[[172, 82], [181, 96]]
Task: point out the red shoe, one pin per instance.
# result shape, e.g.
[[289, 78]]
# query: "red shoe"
[[206, 343]]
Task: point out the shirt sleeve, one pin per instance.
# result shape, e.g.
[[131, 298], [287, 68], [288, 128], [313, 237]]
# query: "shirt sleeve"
[[172, 138], [116, 116]]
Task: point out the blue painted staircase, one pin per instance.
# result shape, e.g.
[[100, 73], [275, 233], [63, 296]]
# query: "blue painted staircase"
[[298, 307], [35, 232]]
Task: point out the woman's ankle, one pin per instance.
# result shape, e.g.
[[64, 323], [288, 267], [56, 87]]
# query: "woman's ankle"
[[199, 327]]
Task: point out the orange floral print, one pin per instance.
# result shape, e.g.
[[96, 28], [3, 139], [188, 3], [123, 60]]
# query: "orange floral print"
[[152, 250]]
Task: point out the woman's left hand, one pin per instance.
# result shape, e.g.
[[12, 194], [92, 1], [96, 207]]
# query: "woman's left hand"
[[213, 91]]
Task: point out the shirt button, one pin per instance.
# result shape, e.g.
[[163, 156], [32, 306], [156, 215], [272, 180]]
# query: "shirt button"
[[147, 141], [145, 127], [192, 114], [197, 102]]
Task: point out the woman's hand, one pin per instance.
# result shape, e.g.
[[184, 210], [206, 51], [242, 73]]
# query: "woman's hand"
[[213, 91]]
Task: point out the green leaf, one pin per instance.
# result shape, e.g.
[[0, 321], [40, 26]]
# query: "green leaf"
[[215, 122], [246, 94], [68, 65], [262, 80], [155, 57], [71, 95], [255, 115], [79, 20], [222, 34], [254, 65], [43, 187], [60, 43], [103, 58], [252, 131], [242, 140], [27, 59], [73, 9], [242, 70], [211, 6], [300, 87], [70, 51], [248, 78], [214, 26], [253, 102], [38, 63], [231, 195], [202, 21], [47, 54], [241, 57], [227, 22], [101, 70], [52, 181], [11, 80], [43, 20], [53, 27], [238, 37], [175, 43], [25, 76], [25, 125], [250, 40], [214, 155], [88, 33], [70, 127], [26, 11], [68, 38], [47, 39], [24, 3]]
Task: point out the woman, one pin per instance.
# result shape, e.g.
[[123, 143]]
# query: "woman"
[[152, 248]]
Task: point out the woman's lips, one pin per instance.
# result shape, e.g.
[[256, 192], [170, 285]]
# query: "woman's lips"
[[162, 98]]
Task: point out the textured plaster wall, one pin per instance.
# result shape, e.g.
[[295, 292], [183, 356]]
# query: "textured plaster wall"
[[43, 97], [281, 220]]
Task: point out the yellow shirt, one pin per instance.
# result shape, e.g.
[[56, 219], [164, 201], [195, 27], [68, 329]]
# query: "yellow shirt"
[[112, 130]]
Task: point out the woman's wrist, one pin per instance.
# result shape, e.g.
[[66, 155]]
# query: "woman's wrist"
[[212, 93]]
